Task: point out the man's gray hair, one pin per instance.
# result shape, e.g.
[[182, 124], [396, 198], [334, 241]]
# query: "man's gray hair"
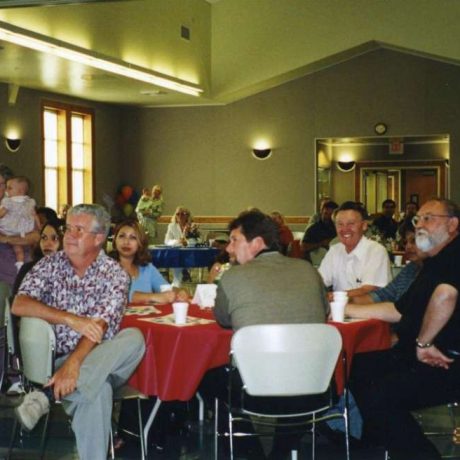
[[101, 221], [450, 206]]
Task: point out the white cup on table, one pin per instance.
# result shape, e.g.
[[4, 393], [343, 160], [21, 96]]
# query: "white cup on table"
[[338, 310], [398, 260], [180, 312], [340, 296], [165, 288]]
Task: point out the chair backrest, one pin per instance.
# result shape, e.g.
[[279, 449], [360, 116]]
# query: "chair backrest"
[[11, 334], [286, 359], [3, 354], [38, 343], [5, 293]]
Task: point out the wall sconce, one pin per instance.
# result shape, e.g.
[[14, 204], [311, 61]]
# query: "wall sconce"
[[346, 166], [12, 145], [262, 154]]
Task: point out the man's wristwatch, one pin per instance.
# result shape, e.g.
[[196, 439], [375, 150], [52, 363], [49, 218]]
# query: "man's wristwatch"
[[422, 345]]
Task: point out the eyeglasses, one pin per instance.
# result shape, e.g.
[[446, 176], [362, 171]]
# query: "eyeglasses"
[[77, 230], [426, 218], [182, 213]]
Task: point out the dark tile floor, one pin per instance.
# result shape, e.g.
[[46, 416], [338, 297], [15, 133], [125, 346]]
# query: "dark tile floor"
[[196, 442]]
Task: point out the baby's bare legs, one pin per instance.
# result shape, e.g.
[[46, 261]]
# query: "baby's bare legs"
[[19, 253]]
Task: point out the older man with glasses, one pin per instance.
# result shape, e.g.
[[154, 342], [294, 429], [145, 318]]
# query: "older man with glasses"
[[82, 292], [423, 368]]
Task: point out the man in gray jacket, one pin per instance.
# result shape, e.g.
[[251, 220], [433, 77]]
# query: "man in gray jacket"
[[266, 287]]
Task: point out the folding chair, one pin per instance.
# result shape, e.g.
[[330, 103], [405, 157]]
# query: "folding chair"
[[14, 369], [278, 361], [38, 344], [3, 371], [5, 293], [124, 393]]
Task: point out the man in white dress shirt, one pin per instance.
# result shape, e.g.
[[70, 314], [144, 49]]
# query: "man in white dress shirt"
[[355, 264]]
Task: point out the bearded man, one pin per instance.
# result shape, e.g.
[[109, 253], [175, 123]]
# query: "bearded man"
[[423, 368]]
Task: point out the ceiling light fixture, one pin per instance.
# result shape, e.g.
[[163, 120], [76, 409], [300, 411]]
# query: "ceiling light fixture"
[[64, 50]]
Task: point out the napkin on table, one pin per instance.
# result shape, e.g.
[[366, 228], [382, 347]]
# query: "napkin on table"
[[205, 295]]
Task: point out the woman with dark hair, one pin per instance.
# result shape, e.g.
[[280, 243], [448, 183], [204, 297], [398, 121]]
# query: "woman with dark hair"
[[130, 248], [50, 242]]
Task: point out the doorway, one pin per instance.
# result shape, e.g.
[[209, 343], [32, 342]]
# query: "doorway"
[[400, 181], [375, 171]]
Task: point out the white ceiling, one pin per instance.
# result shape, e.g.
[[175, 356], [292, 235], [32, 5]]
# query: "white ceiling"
[[237, 47]]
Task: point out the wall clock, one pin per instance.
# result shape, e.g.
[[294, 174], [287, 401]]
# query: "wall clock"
[[380, 128]]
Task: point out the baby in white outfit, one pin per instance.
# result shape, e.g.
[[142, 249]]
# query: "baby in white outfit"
[[17, 213]]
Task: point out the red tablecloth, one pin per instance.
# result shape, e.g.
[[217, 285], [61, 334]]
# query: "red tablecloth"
[[357, 337], [177, 358]]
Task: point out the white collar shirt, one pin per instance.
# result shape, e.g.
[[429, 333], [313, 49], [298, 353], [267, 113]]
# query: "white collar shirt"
[[367, 264]]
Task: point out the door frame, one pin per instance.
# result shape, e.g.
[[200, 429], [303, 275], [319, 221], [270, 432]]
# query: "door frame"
[[440, 165]]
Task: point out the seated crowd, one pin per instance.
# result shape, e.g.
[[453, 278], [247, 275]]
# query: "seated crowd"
[[73, 284]]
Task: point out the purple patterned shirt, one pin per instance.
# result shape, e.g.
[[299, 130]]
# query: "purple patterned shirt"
[[101, 293]]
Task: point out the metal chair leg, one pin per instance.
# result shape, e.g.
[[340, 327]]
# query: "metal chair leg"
[[141, 429], [216, 424], [44, 435], [12, 439]]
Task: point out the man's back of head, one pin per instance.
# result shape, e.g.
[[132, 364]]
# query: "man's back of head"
[[251, 233], [257, 224]]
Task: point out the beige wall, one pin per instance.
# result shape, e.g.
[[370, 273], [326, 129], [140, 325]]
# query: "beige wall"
[[202, 156]]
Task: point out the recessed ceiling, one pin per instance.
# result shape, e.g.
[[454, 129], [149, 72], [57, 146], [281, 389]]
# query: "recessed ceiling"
[[236, 49]]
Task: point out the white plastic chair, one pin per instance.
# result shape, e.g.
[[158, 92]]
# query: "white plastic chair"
[[280, 360], [38, 344], [13, 361]]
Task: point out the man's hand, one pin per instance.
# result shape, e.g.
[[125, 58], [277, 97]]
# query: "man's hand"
[[182, 295], [65, 379], [92, 328], [433, 357], [167, 297]]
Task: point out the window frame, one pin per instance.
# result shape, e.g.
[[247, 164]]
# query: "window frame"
[[66, 111]]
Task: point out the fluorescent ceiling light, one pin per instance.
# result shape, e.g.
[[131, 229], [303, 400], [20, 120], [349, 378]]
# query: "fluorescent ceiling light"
[[41, 43]]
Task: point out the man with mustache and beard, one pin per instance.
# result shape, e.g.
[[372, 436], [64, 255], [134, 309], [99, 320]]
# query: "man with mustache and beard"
[[423, 368]]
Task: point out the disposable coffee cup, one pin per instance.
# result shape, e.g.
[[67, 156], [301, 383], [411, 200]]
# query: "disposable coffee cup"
[[165, 287], [340, 295], [180, 312], [338, 311], [398, 260]]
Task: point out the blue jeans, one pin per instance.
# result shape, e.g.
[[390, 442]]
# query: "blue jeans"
[[354, 417]]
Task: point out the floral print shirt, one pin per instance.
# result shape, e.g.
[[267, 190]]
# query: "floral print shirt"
[[101, 293]]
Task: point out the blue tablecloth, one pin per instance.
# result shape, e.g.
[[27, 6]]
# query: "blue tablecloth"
[[183, 257]]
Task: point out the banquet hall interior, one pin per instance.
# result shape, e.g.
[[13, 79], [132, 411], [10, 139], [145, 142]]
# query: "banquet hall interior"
[[231, 104]]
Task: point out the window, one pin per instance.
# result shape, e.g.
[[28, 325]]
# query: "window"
[[68, 155]]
